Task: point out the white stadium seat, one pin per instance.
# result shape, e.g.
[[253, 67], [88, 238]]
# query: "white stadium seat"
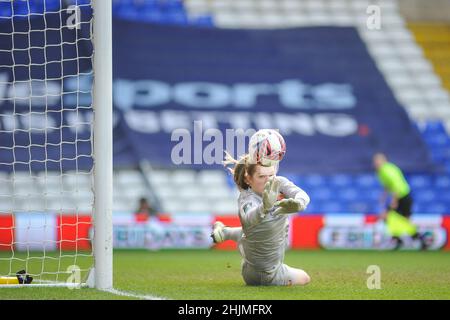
[[159, 177], [227, 206], [183, 177], [191, 192], [212, 177], [195, 206]]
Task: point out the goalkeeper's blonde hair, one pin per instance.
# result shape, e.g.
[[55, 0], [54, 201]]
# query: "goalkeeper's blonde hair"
[[241, 169]]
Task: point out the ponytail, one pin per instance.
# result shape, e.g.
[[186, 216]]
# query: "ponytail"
[[241, 169]]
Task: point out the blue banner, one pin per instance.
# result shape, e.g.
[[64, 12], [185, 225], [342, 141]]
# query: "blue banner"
[[318, 85], [174, 85], [45, 111]]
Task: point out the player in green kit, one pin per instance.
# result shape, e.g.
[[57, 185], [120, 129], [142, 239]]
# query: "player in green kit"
[[400, 208]]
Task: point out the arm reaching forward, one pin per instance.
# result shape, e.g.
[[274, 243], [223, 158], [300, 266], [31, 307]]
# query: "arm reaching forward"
[[297, 199]]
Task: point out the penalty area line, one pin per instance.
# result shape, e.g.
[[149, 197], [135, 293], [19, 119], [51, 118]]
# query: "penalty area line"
[[133, 295], [47, 283]]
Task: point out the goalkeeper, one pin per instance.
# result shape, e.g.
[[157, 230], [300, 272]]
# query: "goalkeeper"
[[264, 234], [398, 211]]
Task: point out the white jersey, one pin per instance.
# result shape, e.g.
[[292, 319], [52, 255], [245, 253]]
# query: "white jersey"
[[265, 237]]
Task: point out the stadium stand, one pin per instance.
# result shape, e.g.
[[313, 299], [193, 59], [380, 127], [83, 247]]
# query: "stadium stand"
[[401, 56]]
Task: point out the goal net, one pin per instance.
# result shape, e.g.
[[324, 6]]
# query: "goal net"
[[47, 198]]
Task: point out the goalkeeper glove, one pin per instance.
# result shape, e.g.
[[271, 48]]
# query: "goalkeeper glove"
[[287, 206], [270, 194]]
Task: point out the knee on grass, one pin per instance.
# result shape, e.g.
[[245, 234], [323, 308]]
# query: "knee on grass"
[[300, 278], [304, 279]]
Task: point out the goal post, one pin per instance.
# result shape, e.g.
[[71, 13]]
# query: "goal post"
[[103, 164], [56, 163]]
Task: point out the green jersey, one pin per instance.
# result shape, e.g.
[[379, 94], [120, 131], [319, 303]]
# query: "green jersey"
[[392, 179]]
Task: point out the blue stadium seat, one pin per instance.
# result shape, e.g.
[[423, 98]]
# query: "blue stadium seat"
[[176, 18], [434, 127], [434, 207], [358, 207], [419, 181], [442, 182], [156, 11], [5, 9], [369, 194], [77, 2], [425, 196], [314, 180], [437, 140], [320, 194], [443, 196], [340, 180], [331, 207], [30, 6], [205, 21], [348, 194], [440, 155], [366, 180], [296, 179], [20, 8], [153, 16], [129, 13], [163, 12], [419, 208], [375, 207], [312, 208], [437, 208], [230, 181]]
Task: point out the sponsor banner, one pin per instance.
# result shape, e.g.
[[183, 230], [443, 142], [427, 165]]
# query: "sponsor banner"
[[35, 231], [73, 232], [155, 235], [189, 219], [305, 230], [376, 237], [344, 219], [351, 231], [446, 226], [6, 232], [365, 232], [38, 231], [174, 231]]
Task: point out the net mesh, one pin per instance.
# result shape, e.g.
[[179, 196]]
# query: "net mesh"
[[46, 195]]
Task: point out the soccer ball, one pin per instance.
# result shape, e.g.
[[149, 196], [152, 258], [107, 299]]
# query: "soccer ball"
[[267, 147]]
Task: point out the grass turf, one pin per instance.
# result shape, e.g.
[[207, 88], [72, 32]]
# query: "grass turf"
[[212, 274]]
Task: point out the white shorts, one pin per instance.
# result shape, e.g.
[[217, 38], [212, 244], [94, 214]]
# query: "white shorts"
[[280, 276]]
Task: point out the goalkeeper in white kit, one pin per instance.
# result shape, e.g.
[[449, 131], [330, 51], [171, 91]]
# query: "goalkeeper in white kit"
[[263, 238]]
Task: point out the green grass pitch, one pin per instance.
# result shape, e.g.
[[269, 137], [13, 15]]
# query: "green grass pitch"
[[213, 274]]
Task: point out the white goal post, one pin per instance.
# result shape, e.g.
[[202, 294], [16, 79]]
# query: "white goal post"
[[103, 153], [56, 164]]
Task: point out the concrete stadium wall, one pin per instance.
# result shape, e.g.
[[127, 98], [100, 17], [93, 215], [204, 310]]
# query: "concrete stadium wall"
[[429, 10]]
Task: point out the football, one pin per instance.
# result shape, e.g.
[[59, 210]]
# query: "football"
[[267, 147]]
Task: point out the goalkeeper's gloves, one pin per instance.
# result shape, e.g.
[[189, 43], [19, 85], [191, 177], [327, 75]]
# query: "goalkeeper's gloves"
[[287, 206], [270, 194]]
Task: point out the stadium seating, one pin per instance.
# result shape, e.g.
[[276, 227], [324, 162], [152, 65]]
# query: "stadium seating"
[[393, 47], [395, 50], [155, 11]]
